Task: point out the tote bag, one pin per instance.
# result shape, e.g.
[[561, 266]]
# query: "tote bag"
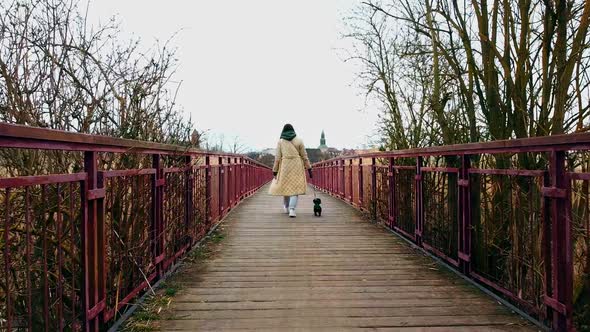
[[273, 185]]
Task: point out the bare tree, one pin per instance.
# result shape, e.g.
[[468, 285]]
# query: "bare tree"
[[59, 72], [237, 146], [379, 52], [481, 70]]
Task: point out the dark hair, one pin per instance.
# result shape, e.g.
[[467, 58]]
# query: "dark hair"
[[288, 126]]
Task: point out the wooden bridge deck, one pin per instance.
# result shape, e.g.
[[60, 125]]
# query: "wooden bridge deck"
[[336, 273]]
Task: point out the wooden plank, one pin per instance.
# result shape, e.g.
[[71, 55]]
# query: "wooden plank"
[[495, 328], [326, 290], [358, 278], [286, 321], [449, 310], [281, 296], [319, 269], [382, 303], [305, 283]]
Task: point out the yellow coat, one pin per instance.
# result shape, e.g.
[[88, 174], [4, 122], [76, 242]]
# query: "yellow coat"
[[290, 162]]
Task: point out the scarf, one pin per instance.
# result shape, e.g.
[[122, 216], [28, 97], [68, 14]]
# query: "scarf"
[[288, 133]]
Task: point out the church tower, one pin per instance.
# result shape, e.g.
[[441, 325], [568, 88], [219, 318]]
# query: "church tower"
[[323, 147]]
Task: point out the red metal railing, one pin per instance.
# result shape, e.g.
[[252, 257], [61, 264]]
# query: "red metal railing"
[[77, 248], [512, 215]]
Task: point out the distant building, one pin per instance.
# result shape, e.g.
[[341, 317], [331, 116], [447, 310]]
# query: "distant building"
[[314, 155], [323, 147], [323, 151]]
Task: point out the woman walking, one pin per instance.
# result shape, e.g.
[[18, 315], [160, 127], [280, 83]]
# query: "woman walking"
[[289, 170]]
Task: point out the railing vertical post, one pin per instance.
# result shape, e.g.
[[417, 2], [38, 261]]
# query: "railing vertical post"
[[464, 214], [236, 181], [336, 177], [323, 182], [250, 178], [373, 189], [419, 211], [208, 218], [237, 185], [325, 177], [330, 175], [560, 286], [188, 200], [391, 197], [229, 194], [242, 178], [158, 213], [324, 171], [361, 194], [342, 181], [319, 173], [221, 186], [332, 183], [350, 176], [93, 244], [336, 174]]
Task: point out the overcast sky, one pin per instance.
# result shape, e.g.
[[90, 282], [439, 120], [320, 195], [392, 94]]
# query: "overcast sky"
[[248, 67]]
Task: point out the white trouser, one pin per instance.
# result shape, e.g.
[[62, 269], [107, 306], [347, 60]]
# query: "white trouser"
[[290, 201]]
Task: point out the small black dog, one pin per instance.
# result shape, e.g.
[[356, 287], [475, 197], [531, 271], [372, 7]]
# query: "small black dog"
[[317, 209]]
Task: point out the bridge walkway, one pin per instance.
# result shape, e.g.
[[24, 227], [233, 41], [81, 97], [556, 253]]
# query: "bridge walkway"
[[334, 273]]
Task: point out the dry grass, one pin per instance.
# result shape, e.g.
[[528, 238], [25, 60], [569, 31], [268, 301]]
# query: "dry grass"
[[152, 311], [157, 308]]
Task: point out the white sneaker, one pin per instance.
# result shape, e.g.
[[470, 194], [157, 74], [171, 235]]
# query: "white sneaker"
[[285, 210], [292, 213]]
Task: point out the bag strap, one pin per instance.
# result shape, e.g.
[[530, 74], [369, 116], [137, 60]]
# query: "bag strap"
[[293, 144]]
